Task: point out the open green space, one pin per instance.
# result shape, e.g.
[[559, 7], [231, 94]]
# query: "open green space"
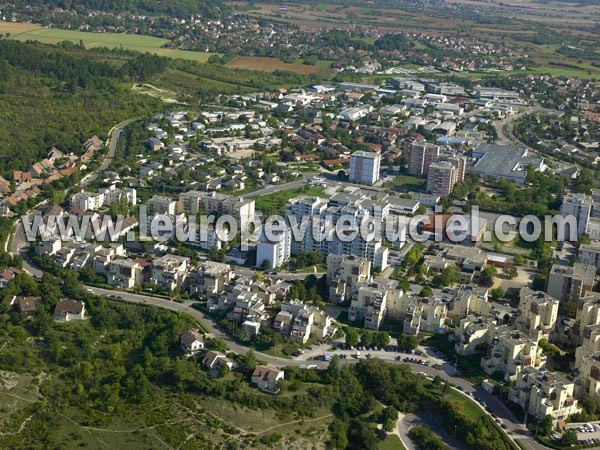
[[408, 183], [276, 202], [391, 442], [125, 41]]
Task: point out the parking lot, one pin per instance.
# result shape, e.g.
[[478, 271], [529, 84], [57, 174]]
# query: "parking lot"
[[584, 434]]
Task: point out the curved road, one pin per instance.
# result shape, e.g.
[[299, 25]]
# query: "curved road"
[[517, 430]]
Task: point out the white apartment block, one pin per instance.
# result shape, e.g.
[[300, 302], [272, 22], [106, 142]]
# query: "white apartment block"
[[345, 274], [87, 201], [193, 202], [590, 254], [275, 252], [364, 167], [210, 278], [159, 204], [542, 393], [508, 351], [580, 207], [372, 300], [124, 273], [469, 299], [539, 312], [587, 382], [570, 283], [113, 194], [170, 271], [588, 313]]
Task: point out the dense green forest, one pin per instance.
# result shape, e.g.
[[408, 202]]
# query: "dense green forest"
[[62, 95]]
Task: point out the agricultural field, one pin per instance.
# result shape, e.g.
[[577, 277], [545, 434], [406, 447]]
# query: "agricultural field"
[[270, 65], [28, 31]]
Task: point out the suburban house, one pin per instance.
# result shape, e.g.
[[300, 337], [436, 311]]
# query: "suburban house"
[[267, 378], [67, 310], [191, 342], [214, 360]]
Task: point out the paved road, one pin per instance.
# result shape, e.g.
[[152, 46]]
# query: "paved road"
[[114, 136], [516, 429], [282, 187]]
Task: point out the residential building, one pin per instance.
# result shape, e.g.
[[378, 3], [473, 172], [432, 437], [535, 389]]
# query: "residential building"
[[210, 278], [213, 361], [542, 393], [539, 312], [344, 275], [364, 167], [87, 201], [159, 204], [191, 342], [267, 378], [274, 253], [590, 254], [67, 310], [443, 175], [124, 273], [507, 352], [422, 155], [170, 271], [579, 207], [587, 382], [570, 283]]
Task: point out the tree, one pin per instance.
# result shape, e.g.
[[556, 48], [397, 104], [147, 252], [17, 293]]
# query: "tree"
[[569, 438], [351, 337], [388, 418], [382, 339], [486, 277], [510, 270], [497, 293], [546, 425], [426, 292], [366, 339]]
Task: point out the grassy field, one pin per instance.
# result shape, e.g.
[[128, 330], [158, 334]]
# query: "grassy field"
[[408, 183], [471, 410], [279, 199], [391, 442], [28, 31], [270, 65]]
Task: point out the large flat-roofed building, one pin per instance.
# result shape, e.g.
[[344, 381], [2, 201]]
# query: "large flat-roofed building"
[[571, 283], [579, 206], [589, 254], [443, 175], [503, 161], [274, 253], [542, 393], [364, 167], [496, 93]]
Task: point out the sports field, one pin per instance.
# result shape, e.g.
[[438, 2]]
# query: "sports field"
[[28, 31]]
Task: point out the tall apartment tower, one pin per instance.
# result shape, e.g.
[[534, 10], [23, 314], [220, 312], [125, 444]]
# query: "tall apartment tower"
[[422, 155], [443, 175], [364, 167]]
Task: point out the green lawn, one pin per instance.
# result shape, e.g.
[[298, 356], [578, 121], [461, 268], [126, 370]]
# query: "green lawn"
[[408, 182], [134, 42], [471, 410], [391, 442], [278, 200]]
